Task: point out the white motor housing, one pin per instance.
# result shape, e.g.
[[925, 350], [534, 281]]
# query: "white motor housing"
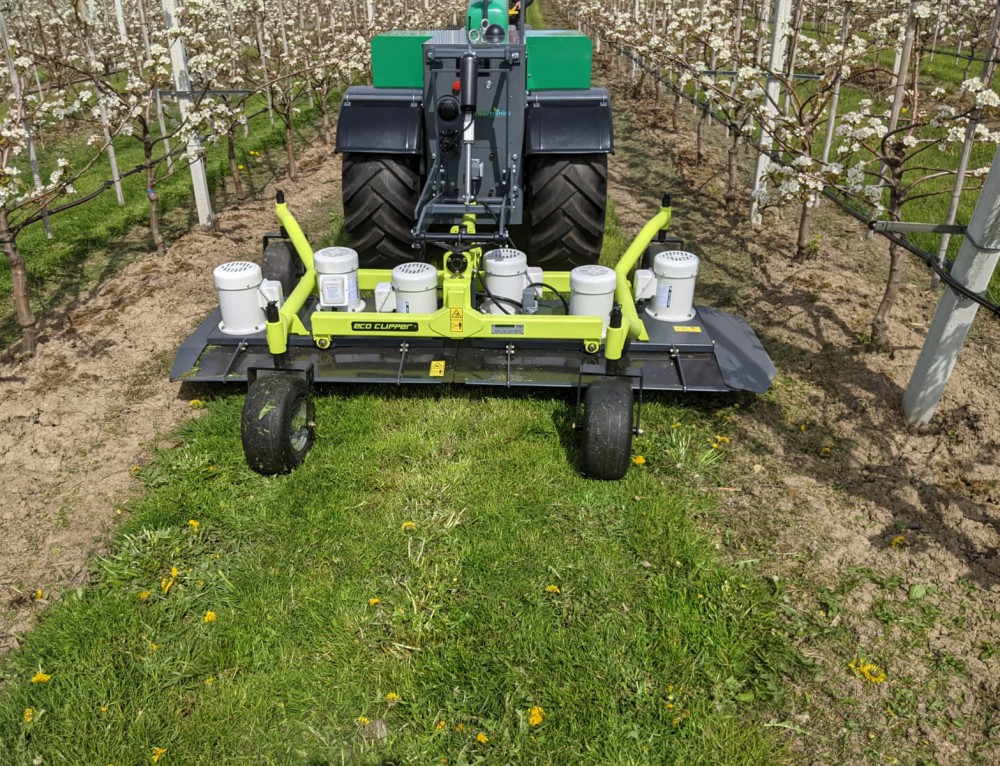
[[506, 277], [675, 272], [238, 284], [592, 292], [337, 278], [415, 286]]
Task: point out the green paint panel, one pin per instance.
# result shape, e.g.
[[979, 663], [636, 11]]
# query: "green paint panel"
[[558, 60], [398, 60]]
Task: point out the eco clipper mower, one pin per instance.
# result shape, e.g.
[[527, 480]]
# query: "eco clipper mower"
[[470, 143]]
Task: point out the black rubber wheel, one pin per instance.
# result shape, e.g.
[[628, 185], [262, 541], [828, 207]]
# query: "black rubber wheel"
[[380, 198], [277, 424], [282, 263], [607, 428], [565, 203]]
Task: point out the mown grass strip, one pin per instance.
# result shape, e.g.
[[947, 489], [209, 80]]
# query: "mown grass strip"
[[520, 584]]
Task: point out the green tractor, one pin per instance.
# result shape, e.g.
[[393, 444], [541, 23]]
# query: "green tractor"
[[494, 119], [475, 187]]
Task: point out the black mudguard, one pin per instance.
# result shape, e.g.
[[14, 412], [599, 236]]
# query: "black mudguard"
[[381, 121], [569, 122]]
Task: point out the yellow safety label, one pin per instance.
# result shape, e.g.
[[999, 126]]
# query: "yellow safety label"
[[687, 328], [457, 317], [437, 369]]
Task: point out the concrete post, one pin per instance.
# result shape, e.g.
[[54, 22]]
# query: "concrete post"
[[976, 262], [182, 81]]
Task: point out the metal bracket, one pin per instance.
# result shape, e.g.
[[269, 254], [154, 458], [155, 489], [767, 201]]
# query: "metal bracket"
[[404, 348], [916, 228]]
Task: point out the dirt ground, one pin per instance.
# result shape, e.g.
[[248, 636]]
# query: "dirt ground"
[[881, 538], [96, 400]]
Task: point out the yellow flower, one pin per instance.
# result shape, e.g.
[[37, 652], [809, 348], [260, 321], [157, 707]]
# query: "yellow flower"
[[144, 595], [154, 647], [392, 697], [210, 616], [201, 583], [408, 526], [639, 460], [898, 542], [535, 716], [158, 753], [135, 469], [209, 681], [440, 725], [676, 425], [173, 572], [41, 678], [482, 739], [552, 589], [459, 727], [374, 601], [868, 672], [363, 720], [39, 594], [29, 714], [196, 404], [239, 167], [194, 524]]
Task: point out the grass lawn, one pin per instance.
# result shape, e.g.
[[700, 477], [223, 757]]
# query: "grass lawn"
[[436, 569]]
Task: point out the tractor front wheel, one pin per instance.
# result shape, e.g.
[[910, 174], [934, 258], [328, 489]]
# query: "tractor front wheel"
[[277, 424], [607, 428], [380, 200], [565, 204]]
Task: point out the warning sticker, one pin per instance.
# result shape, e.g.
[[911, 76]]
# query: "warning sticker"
[[686, 328], [457, 317], [437, 369]]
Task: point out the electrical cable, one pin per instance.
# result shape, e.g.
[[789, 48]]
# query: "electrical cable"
[[551, 289], [492, 297]]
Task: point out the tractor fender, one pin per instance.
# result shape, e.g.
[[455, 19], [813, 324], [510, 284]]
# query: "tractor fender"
[[380, 121], [569, 122]]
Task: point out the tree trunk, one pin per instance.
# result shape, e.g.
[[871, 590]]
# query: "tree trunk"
[[880, 324], [802, 244], [234, 166], [151, 195], [732, 187], [19, 286], [289, 149], [673, 116], [700, 153], [324, 107]]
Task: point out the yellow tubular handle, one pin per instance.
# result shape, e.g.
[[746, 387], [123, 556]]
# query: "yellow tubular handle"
[[623, 288], [277, 332]]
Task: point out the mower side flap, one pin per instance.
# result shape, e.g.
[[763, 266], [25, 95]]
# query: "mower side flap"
[[744, 363]]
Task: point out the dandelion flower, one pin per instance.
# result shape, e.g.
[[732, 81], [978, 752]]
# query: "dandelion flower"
[[898, 542], [154, 647], [196, 404], [39, 594], [482, 739], [209, 681], [535, 716], [676, 425], [210, 616], [639, 460], [363, 720], [392, 697], [440, 725], [408, 526], [459, 727], [868, 672], [374, 601], [29, 714], [41, 678], [239, 167], [553, 589], [158, 753], [135, 469], [174, 572], [194, 524], [144, 595]]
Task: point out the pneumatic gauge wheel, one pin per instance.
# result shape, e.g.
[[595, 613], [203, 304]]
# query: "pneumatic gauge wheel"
[[277, 424], [607, 428]]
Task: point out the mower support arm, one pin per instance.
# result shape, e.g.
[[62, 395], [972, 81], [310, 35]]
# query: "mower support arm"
[[288, 314], [623, 292]]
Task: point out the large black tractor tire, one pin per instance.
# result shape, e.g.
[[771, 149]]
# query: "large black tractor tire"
[[565, 203], [277, 424], [607, 428], [282, 263], [380, 198]]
